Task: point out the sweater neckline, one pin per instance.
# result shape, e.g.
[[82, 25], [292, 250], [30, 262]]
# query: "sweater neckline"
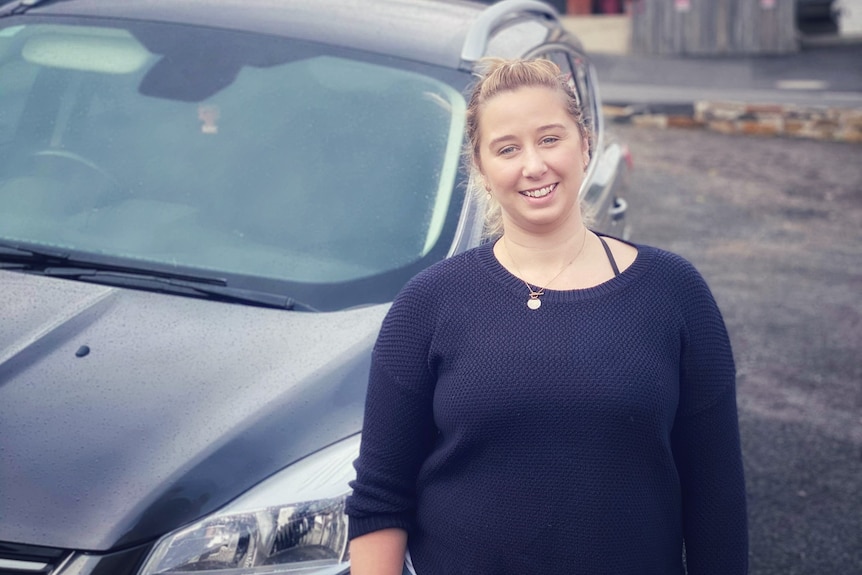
[[491, 266]]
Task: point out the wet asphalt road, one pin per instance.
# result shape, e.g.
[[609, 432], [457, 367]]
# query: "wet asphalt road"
[[775, 226]]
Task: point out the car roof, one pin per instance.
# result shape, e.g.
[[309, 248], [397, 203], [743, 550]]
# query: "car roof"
[[439, 32]]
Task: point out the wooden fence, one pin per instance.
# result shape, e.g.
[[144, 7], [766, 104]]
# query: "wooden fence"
[[713, 27]]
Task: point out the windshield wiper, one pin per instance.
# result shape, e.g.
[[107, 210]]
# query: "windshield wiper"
[[57, 263], [17, 252], [13, 8], [215, 288], [38, 260]]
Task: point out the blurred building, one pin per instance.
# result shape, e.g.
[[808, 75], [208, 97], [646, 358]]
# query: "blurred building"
[[722, 27], [713, 27], [575, 7]]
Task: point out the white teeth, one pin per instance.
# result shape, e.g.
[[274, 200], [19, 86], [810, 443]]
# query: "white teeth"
[[541, 192]]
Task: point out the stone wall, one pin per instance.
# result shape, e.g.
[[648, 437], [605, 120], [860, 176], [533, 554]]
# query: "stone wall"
[[788, 120]]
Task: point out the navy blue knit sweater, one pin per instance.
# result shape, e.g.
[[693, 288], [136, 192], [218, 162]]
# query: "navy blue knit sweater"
[[593, 435]]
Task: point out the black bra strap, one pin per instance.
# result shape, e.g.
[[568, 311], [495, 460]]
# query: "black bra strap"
[[610, 255]]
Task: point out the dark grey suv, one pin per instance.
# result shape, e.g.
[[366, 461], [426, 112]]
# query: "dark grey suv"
[[205, 208]]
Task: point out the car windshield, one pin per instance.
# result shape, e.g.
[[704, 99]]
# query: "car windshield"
[[281, 164]]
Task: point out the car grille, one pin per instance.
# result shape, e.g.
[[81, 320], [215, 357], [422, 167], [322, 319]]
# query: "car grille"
[[17, 559]]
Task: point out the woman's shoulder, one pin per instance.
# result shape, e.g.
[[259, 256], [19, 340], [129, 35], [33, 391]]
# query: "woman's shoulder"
[[441, 275], [661, 272], [654, 258], [424, 301], [677, 278], [434, 283], [645, 257], [669, 261], [677, 267]]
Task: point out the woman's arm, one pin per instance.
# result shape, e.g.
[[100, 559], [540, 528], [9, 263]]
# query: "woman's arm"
[[706, 441], [378, 553], [708, 458], [398, 432]]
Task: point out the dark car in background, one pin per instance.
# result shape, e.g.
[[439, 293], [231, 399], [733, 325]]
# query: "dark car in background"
[[814, 9], [816, 16], [205, 210]]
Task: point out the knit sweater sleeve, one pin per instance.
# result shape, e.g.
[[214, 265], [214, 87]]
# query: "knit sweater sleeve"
[[706, 442], [398, 429]]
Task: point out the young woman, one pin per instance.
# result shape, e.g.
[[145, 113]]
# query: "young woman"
[[553, 401]]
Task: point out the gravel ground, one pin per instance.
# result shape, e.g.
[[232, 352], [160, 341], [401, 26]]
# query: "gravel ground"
[[775, 226]]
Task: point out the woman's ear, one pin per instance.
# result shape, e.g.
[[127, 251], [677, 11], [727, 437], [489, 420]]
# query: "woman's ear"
[[585, 146], [477, 170]]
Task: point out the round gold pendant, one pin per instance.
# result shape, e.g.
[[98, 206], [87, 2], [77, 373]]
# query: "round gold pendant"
[[534, 303]]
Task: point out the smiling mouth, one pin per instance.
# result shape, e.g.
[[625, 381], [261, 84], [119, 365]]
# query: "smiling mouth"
[[539, 192]]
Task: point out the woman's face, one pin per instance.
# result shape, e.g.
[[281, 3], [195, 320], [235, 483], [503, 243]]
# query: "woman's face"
[[532, 156]]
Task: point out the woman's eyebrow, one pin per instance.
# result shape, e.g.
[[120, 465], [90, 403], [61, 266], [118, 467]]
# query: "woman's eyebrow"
[[551, 127], [493, 143]]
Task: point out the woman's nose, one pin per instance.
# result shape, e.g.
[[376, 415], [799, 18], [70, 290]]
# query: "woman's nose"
[[534, 164]]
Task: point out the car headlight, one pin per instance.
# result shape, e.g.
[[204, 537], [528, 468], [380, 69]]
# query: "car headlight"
[[293, 522]]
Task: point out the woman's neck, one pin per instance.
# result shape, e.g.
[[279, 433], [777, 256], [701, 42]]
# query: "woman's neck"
[[540, 256]]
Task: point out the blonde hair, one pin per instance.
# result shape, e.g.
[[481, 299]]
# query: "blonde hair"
[[496, 76]]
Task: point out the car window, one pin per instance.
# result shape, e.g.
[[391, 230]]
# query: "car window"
[[247, 155], [16, 81], [575, 68]]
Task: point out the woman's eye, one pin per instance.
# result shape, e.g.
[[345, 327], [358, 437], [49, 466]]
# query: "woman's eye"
[[507, 150], [549, 139]]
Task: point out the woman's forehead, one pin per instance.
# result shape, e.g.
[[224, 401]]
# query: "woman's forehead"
[[525, 107]]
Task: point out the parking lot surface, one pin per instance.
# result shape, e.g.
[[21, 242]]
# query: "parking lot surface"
[[775, 226]]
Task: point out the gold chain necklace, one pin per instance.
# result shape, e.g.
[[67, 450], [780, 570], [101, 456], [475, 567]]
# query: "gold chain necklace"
[[534, 302]]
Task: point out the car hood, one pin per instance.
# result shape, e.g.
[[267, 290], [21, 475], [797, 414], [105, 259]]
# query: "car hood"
[[125, 414]]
